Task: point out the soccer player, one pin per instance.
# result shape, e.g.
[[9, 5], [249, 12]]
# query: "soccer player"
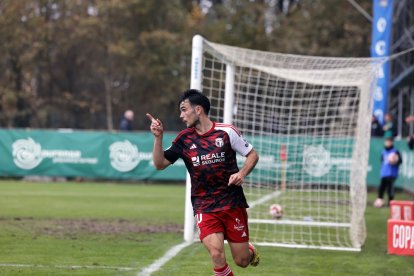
[[209, 152]]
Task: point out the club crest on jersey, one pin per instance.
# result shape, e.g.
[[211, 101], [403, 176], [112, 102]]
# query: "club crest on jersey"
[[219, 142]]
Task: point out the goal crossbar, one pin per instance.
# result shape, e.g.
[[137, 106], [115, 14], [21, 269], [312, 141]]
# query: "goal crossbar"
[[308, 118]]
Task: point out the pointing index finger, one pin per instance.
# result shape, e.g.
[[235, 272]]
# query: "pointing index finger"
[[150, 117]]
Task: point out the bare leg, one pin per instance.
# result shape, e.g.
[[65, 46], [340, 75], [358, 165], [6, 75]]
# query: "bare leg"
[[241, 253], [215, 246]]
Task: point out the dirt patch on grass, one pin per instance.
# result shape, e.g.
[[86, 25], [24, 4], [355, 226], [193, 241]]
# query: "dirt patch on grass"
[[57, 227], [105, 227]]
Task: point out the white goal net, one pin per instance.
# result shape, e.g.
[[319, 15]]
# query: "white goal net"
[[309, 120]]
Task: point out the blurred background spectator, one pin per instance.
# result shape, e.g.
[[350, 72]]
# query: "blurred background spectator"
[[389, 128], [126, 121], [376, 127]]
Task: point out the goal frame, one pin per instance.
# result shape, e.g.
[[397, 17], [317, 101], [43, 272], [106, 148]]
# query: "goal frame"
[[228, 110]]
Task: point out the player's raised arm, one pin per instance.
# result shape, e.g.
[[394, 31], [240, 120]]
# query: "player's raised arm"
[[157, 129]]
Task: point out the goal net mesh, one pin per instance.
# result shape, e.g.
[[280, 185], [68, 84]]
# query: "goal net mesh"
[[309, 120]]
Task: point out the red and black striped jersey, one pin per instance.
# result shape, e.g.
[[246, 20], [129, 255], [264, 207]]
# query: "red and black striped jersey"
[[210, 160]]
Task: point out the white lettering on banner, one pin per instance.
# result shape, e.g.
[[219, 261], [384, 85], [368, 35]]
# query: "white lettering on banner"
[[196, 63], [396, 212], [316, 160], [61, 153], [378, 96], [380, 47], [407, 213], [403, 237], [124, 156], [269, 162], [381, 24], [408, 164], [379, 114], [381, 72], [28, 154]]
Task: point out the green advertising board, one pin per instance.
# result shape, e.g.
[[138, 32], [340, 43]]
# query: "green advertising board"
[[307, 159], [311, 160], [128, 155], [100, 155]]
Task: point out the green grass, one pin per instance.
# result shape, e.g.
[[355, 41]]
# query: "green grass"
[[36, 226], [54, 225]]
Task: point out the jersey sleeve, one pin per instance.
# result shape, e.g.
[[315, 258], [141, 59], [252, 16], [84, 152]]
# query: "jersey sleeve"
[[238, 143], [172, 153]]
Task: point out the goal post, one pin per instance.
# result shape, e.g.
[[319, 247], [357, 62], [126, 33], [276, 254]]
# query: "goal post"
[[309, 119], [196, 82]]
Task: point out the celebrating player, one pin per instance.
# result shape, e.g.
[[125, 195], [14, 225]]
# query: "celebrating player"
[[209, 152]]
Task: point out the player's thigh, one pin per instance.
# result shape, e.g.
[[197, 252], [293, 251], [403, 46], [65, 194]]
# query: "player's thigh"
[[214, 242]]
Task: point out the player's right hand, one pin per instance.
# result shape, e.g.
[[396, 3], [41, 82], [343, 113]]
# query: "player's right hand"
[[156, 126]]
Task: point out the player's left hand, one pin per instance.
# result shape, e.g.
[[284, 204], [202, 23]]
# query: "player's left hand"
[[236, 179]]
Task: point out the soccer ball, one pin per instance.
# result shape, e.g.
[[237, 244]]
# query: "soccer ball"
[[393, 158], [378, 203], [276, 211]]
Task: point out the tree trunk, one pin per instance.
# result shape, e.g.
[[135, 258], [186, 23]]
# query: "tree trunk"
[[108, 102]]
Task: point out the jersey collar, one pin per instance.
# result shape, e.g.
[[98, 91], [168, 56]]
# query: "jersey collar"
[[208, 132]]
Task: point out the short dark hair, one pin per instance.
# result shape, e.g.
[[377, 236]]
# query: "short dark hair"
[[195, 97]]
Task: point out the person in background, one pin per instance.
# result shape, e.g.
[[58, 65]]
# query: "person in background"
[[410, 138], [376, 127], [126, 121], [390, 163], [389, 128]]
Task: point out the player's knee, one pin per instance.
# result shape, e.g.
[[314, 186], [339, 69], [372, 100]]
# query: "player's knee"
[[242, 261], [218, 257]]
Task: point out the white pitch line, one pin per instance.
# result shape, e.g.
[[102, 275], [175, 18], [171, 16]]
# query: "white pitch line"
[[264, 199], [68, 266], [171, 253]]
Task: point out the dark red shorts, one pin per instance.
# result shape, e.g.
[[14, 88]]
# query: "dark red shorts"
[[232, 223]]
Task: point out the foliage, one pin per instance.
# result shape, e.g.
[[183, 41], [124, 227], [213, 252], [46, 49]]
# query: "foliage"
[[80, 64]]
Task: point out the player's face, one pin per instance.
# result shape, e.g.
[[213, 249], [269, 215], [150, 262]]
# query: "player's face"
[[188, 114], [388, 143]]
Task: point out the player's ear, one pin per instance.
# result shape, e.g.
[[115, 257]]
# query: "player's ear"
[[198, 109]]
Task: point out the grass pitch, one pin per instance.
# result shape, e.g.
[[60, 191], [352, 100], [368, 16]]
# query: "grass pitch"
[[117, 229]]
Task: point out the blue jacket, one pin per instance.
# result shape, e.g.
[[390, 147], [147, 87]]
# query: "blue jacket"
[[388, 170]]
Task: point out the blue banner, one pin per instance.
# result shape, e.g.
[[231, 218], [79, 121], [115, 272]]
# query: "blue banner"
[[380, 47]]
